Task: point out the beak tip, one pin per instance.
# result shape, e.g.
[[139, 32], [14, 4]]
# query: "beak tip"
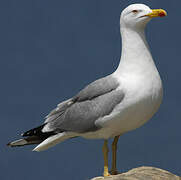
[[162, 14]]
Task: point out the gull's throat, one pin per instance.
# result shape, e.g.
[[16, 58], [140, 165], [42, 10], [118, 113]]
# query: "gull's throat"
[[135, 51]]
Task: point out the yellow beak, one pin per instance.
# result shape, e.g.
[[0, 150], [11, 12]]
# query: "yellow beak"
[[157, 13]]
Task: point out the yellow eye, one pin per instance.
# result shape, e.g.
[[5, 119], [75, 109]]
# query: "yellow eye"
[[135, 11]]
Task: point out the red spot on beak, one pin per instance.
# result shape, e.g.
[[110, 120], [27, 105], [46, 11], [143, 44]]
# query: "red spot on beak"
[[162, 14]]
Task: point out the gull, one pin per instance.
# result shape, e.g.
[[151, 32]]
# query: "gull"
[[112, 105]]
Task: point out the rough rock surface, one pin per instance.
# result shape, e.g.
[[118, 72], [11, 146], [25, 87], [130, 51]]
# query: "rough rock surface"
[[142, 173]]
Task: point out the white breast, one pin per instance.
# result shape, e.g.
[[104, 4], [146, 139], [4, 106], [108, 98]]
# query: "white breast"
[[143, 96]]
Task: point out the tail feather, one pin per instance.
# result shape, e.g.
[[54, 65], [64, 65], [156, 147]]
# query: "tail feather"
[[44, 140], [25, 141], [53, 140], [33, 136]]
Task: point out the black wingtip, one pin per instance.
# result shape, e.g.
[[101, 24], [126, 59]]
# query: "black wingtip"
[[34, 131], [28, 133]]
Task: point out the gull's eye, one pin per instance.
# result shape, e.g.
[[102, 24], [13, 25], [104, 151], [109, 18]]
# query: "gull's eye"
[[135, 11]]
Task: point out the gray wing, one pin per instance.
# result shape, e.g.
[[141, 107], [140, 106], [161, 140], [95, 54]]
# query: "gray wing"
[[79, 114]]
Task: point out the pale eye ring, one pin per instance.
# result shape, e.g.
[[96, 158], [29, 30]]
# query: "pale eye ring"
[[135, 11]]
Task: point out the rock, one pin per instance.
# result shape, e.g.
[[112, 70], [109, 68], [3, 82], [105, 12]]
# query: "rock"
[[142, 173]]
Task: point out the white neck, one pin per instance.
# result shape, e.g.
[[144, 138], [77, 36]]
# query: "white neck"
[[136, 56]]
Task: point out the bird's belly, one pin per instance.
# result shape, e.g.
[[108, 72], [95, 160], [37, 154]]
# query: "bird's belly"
[[134, 116]]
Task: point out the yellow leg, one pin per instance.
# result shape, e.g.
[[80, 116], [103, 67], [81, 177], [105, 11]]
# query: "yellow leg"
[[105, 153], [114, 151]]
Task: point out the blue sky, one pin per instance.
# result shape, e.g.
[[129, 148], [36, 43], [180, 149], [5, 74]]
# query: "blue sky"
[[52, 49]]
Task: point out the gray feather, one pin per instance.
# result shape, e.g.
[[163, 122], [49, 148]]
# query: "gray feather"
[[80, 113], [59, 110], [97, 88]]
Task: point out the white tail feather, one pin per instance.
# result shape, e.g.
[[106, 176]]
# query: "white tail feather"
[[52, 141]]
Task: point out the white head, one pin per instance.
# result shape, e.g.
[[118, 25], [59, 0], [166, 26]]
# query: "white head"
[[138, 15]]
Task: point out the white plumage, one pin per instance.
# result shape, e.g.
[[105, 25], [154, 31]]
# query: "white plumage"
[[116, 104], [138, 78]]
